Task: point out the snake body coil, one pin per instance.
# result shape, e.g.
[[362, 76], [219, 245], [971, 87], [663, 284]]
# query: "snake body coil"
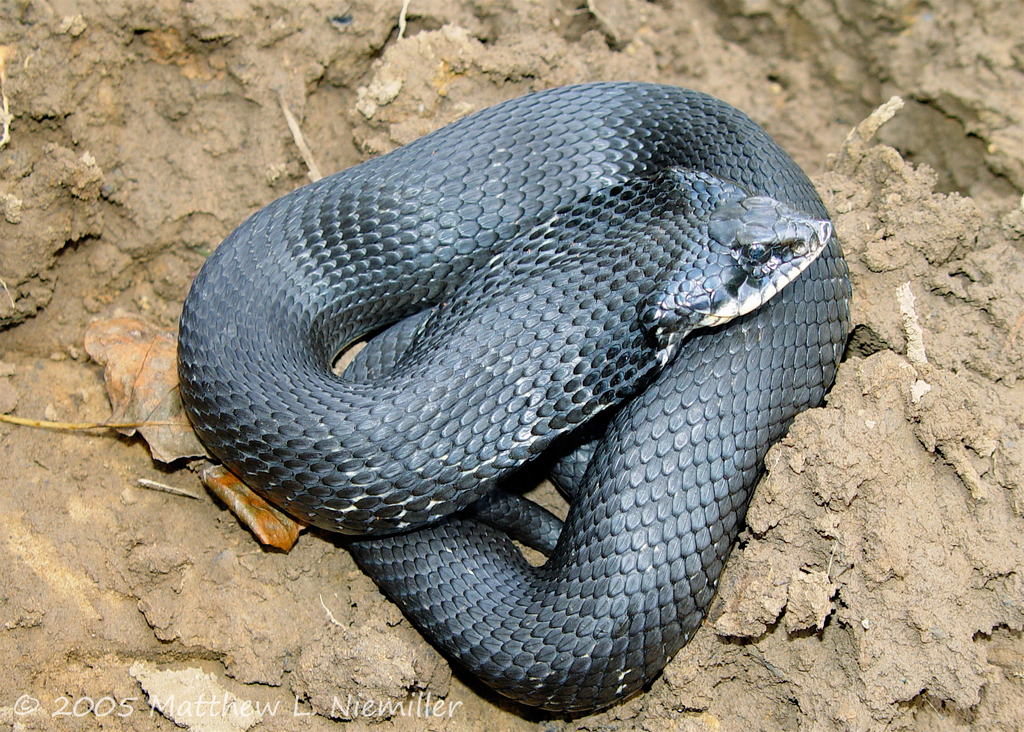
[[533, 332]]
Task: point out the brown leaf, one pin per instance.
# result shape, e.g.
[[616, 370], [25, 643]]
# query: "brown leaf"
[[141, 376], [270, 526]]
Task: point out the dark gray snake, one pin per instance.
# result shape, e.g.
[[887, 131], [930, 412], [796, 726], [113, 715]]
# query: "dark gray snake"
[[566, 244]]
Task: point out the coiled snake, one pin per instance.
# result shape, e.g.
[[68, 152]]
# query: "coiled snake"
[[566, 244]]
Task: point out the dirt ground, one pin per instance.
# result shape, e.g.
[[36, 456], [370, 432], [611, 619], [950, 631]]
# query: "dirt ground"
[[879, 583]]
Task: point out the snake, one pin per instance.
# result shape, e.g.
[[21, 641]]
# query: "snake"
[[629, 280]]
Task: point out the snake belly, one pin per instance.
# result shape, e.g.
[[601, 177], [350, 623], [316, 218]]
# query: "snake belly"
[[663, 498]]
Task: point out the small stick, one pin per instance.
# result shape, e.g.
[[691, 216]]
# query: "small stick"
[[152, 484], [6, 52], [401, 18], [74, 426], [330, 615], [300, 141], [4, 286]]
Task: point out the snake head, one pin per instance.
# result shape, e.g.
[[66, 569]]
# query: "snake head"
[[755, 246]]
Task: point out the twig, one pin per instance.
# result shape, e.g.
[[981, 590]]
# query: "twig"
[[6, 52], [401, 18], [4, 285], [152, 484], [831, 556], [77, 426], [5, 119], [330, 615], [300, 141]]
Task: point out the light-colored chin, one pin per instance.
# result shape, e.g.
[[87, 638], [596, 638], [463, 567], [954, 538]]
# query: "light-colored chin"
[[719, 318], [734, 308]]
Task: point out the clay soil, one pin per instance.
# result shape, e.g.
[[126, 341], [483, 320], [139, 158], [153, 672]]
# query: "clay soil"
[[879, 583]]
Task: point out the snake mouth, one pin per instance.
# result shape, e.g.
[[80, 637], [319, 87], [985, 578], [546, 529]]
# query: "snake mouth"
[[763, 267], [758, 246]]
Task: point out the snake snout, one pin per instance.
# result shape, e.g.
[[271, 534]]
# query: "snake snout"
[[758, 245], [766, 236], [769, 244]]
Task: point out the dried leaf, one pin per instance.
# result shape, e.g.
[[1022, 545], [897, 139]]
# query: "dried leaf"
[[142, 383], [270, 526]]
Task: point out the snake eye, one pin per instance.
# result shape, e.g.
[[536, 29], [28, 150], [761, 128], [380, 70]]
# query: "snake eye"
[[757, 252]]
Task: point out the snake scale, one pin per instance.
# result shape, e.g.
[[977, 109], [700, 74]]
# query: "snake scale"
[[562, 260]]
